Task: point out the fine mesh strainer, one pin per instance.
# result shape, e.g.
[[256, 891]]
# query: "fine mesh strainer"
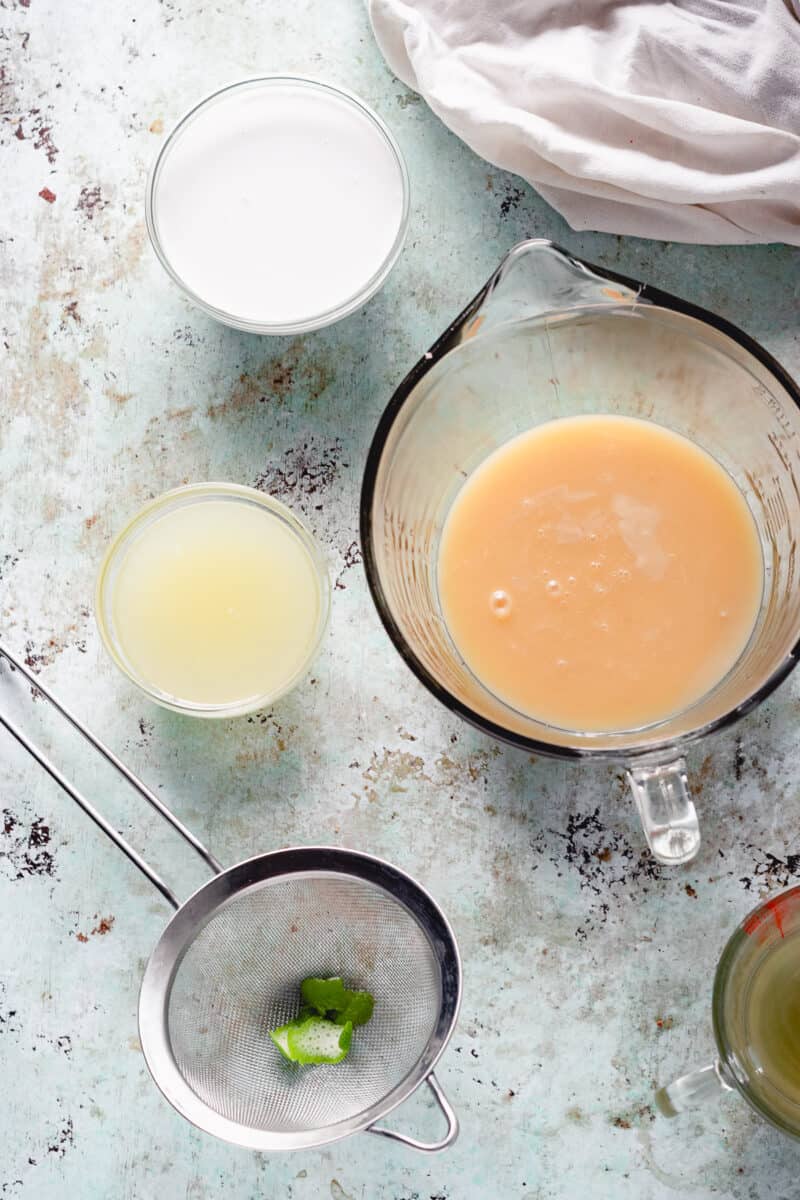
[[229, 965]]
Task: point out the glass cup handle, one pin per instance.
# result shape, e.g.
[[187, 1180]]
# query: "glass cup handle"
[[669, 819], [692, 1090]]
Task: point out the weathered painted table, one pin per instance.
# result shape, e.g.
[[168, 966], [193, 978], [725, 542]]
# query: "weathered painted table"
[[588, 969]]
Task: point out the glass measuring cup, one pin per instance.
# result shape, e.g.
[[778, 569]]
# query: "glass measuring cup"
[[739, 1065], [550, 336]]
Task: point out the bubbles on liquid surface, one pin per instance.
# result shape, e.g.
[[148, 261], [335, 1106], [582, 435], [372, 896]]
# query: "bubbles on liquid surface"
[[553, 587], [500, 604]]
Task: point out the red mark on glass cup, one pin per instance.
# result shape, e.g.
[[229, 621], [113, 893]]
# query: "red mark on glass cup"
[[777, 912]]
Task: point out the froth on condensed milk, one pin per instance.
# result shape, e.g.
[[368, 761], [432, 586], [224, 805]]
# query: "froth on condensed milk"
[[279, 204]]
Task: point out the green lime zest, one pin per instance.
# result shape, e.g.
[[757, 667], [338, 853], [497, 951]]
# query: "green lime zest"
[[357, 1010], [324, 995], [317, 1040], [330, 998]]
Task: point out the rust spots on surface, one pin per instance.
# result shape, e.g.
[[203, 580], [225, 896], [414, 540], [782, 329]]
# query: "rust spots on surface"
[[43, 386], [739, 760], [41, 133], [404, 99], [25, 848], [504, 866], [637, 1117], [352, 556], [392, 771], [128, 253], [269, 751], [156, 126], [179, 414], [703, 775], [511, 200], [303, 473], [472, 768], [770, 871], [576, 1115], [63, 1140], [39, 655], [610, 869], [664, 1023], [118, 398], [103, 926], [91, 202], [47, 195], [690, 891], [298, 371]]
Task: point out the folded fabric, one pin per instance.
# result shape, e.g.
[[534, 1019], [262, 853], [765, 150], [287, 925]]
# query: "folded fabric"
[[678, 121]]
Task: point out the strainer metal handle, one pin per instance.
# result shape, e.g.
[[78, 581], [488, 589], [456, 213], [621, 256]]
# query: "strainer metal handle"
[[108, 829], [429, 1147]]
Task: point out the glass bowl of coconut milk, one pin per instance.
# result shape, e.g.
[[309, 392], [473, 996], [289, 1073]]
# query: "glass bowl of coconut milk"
[[278, 204]]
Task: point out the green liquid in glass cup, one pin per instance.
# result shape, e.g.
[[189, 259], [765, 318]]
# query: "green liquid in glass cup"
[[756, 1015]]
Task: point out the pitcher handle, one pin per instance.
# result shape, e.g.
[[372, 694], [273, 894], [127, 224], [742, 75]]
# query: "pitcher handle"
[[427, 1147], [692, 1090], [669, 818]]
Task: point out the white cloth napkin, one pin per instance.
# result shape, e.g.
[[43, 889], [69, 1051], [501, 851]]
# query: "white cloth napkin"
[[678, 121]]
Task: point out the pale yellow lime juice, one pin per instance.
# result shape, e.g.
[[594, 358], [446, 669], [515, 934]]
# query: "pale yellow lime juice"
[[214, 598]]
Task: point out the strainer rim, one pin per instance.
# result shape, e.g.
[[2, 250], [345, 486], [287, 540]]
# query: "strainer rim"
[[206, 902]]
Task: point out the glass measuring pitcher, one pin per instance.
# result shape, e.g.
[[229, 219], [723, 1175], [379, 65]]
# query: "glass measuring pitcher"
[[550, 336], [754, 1010]]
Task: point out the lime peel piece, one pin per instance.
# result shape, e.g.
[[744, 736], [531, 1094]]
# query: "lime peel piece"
[[324, 995], [323, 1029], [318, 1040], [281, 1039], [358, 1009], [330, 998]]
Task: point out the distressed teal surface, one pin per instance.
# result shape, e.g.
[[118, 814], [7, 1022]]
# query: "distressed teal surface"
[[587, 969]]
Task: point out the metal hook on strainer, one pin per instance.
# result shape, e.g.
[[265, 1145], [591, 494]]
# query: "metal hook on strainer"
[[228, 966]]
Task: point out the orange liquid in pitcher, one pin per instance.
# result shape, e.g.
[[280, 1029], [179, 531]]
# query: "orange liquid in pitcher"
[[600, 573]]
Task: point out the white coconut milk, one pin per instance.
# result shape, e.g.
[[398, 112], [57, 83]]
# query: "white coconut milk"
[[279, 201]]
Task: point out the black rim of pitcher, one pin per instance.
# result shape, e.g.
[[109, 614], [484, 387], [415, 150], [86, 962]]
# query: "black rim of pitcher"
[[443, 344]]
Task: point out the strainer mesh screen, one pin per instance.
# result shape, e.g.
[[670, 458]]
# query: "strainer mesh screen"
[[241, 977]]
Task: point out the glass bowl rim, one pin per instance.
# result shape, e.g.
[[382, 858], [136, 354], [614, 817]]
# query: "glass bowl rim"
[[175, 498], [319, 320]]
